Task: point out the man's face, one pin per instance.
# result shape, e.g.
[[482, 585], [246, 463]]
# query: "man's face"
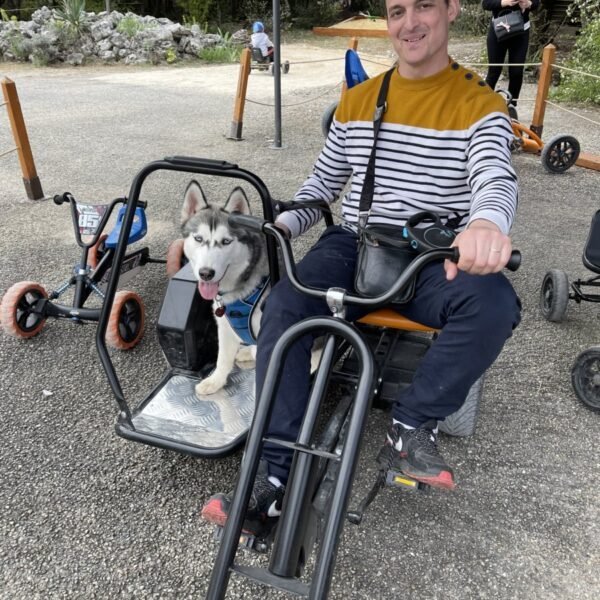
[[419, 33]]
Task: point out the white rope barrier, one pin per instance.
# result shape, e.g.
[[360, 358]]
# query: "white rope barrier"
[[9, 151], [475, 64], [572, 112], [576, 71], [337, 85]]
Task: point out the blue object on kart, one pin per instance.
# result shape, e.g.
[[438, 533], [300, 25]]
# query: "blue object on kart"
[[355, 72], [139, 227]]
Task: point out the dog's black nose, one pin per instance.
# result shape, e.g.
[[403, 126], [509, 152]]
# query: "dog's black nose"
[[206, 274]]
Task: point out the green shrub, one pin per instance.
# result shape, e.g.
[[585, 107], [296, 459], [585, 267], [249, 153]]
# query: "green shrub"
[[72, 12], [586, 58], [472, 20], [321, 13], [129, 25], [220, 54]]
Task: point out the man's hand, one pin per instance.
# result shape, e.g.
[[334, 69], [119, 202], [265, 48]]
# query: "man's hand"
[[284, 228], [483, 249]]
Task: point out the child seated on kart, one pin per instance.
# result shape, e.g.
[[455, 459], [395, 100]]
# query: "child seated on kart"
[[443, 146], [259, 39]]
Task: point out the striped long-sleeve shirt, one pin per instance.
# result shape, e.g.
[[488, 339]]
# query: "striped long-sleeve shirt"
[[443, 146]]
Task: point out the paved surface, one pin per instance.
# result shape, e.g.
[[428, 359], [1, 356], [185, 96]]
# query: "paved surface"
[[86, 514]]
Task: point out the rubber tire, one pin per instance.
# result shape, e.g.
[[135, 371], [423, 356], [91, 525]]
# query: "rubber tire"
[[272, 69], [554, 295], [175, 257], [553, 162], [286, 67], [96, 252], [586, 366], [126, 306], [463, 422], [9, 306], [327, 118]]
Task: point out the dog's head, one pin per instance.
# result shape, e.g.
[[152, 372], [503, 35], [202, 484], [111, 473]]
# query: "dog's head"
[[225, 259]]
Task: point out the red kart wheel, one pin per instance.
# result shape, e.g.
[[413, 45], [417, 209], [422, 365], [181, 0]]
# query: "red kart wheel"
[[96, 252], [126, 322], [18, 309], [175, 257]]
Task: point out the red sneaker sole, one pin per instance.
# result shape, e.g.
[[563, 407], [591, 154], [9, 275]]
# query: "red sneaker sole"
[[444, 480], [213, 512]]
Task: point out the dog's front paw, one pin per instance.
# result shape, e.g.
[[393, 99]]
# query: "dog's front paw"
[[210, 385]]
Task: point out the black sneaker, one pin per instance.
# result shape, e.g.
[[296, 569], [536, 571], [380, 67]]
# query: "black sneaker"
[[263, 510], [512, 112], [414, 452]]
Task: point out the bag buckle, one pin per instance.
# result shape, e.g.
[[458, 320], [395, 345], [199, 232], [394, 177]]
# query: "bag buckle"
[[380, 111], [363, 217]]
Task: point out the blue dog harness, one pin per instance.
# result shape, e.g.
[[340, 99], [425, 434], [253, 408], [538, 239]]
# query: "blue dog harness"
[[239, 313]]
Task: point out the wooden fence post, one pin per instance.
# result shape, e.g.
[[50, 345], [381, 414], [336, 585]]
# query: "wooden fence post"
[[537, 123], [240, 98], [33, 187]]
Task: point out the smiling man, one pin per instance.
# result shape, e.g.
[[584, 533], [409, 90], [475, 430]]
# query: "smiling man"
[[443, 146]]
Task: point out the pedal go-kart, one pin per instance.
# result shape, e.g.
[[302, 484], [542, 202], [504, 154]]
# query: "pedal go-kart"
[[555, 294], [369, 361], [26, 305], [558, 155], [259, 62]]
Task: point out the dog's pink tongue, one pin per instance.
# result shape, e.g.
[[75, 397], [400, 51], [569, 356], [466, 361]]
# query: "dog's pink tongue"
[[208, 290]]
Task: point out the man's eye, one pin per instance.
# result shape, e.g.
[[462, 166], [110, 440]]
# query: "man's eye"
[[198, 238], [226, 241]]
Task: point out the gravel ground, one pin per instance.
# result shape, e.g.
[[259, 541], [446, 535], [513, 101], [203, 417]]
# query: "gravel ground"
[[85, 514]]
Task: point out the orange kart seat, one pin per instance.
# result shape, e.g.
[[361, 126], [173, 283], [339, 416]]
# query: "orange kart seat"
[[388, 317]]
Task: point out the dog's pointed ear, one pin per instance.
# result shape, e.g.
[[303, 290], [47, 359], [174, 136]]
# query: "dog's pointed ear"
[[237, 202], [193, 200]]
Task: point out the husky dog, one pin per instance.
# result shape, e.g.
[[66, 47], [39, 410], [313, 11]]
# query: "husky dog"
[[230, 264]]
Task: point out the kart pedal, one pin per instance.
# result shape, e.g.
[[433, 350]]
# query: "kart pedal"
[[248, 541], [398, 479]]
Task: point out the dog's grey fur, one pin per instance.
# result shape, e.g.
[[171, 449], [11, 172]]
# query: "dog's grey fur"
[[227, 260]]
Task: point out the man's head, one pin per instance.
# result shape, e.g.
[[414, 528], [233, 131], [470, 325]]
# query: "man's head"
[[419, 33], [257, 27]]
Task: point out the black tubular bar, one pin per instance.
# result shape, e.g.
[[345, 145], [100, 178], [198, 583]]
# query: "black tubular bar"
[[288, 540], [184, 164], [233, 527]]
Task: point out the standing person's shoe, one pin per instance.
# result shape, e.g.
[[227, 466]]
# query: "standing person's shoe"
[[414, 452], [264, 506]]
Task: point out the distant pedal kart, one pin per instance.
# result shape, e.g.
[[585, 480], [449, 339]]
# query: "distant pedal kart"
[[558, 155], [555, 294], [262, 63], [26, 305]]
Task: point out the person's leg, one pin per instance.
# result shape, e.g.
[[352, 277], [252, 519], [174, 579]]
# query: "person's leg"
[[496, 53], [517, 55], [476, 315], [331, 262]]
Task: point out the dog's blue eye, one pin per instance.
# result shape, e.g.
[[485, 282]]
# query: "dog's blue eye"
[[198, 238], [226, 241]]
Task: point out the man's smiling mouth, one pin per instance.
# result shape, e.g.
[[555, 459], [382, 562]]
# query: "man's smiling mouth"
[[414, 39]]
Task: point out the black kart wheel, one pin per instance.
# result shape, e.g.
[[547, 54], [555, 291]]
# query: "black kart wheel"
[[585, 377], [327, 118], [19, 315], [286, 67], [554, 295], [560, 153], [126, 322]]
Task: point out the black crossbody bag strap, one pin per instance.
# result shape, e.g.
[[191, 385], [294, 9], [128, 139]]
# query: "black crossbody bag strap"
[[366, 195]]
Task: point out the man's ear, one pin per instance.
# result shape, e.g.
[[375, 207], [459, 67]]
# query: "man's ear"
[[453, 10], [193, 201]]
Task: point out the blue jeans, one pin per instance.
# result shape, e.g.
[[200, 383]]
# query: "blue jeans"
[[476, 315]]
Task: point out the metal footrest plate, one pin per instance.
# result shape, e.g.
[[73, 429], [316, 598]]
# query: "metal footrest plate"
[[175, 412]]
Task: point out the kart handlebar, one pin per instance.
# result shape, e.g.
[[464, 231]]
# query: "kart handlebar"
[[260, 225]]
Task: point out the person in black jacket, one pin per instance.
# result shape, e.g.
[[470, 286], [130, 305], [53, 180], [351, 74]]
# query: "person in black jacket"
[[516, 47]]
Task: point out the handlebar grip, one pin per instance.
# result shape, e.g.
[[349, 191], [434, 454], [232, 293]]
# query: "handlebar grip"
[[250, 222], [202, 163], [62, 198], [514, 262]]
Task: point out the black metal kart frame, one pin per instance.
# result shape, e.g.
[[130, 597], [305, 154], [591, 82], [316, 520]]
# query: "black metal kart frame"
[[322, 473]]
